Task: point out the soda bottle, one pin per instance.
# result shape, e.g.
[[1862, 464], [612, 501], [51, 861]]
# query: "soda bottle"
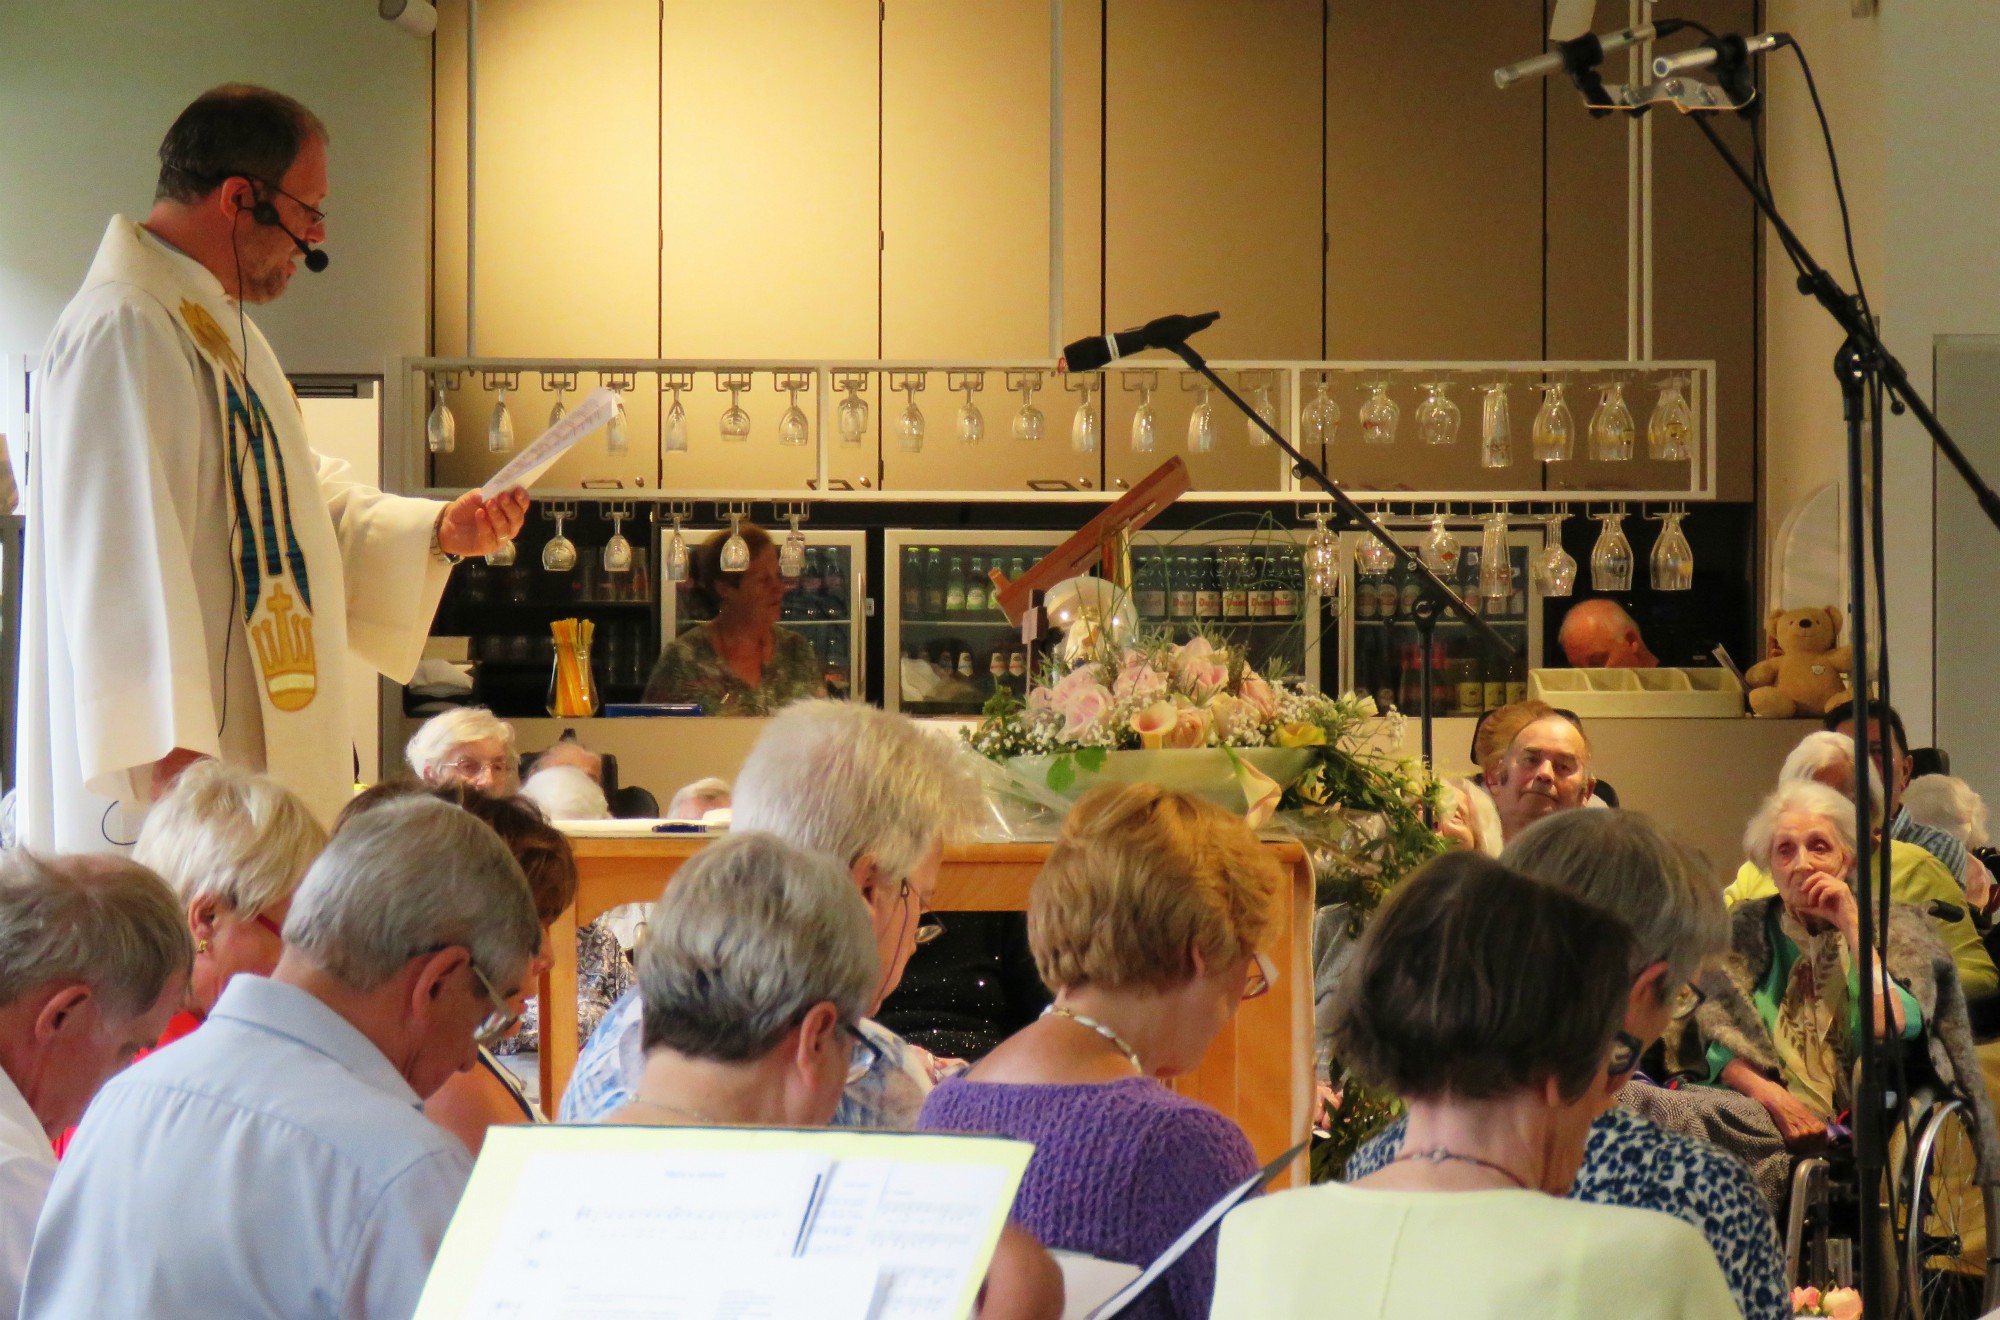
[[934, 586], [1181, 587], [1235, 585], [954, 590], [835, 588], [1285, 593], [913, 582], [1150, 586], [1263, 591], [1208, 590], [976, 585]]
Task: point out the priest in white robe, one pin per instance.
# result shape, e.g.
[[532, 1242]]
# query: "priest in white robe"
[[194, 574]]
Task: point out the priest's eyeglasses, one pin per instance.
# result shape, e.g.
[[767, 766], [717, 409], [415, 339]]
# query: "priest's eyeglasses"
[[318, 216]]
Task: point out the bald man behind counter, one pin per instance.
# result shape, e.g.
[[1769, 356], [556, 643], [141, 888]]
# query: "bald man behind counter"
[[1599, 634]]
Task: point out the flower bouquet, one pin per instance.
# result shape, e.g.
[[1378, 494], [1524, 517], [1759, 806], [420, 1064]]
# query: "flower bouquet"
[[1837, 1303]]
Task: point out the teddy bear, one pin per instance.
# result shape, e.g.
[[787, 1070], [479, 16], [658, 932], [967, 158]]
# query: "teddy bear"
[[1805, 672]]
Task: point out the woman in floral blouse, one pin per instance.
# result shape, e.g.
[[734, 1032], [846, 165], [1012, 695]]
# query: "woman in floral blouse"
[[740, 662]]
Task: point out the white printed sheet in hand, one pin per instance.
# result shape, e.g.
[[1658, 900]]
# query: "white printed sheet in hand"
[[595, 409]]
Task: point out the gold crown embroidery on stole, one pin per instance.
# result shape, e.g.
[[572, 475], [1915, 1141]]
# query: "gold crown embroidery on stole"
[[285, 653]]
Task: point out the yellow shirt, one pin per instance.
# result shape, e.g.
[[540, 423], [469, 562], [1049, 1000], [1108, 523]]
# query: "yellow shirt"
[[1916, 878], [1335, 1252]]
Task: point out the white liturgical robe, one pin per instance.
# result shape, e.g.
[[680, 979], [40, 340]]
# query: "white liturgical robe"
[[188, 558]]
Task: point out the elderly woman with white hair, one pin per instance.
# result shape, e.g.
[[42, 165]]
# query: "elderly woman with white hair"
[[468, 745], [1950, 805], [1781, 1022], [1916, 877], [233, 846]]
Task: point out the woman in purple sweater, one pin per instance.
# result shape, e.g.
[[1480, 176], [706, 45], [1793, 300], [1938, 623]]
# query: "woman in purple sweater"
[[1145, 923]]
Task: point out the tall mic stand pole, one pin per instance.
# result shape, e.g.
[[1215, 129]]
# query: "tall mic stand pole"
[[1433, 597]]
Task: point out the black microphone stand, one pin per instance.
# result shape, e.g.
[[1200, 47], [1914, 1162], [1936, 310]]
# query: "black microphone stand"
[[1434, 597]]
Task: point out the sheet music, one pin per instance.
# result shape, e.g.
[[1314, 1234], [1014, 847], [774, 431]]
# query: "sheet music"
[[925, 1224]]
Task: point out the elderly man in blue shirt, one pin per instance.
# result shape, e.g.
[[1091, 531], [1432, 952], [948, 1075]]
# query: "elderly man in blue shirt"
[[277, 1163]]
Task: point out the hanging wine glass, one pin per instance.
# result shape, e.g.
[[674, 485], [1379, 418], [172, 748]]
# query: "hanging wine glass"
[[1379, 416], [792, 554], [441, 428], [1260, 404], [735, 422], [500, 430], [1145, 430], [559, 555], [1496, 428], [1672, 424], [558, 410], [1611, 557], [853, 415], [617, 556], [1083, 426], [1440, 548], [1322, 561], [677, 554], [1029, 423], [1672, 560], [910, 426], [675, 440], [502, 555], [1496, 563], [618, 431], [1201, 423], [1374, 556], [736, 550], [1321, 418], [1554, 569], [1437, 415], [971, 421], [1611, 430], [1554, 433], [793, 428]]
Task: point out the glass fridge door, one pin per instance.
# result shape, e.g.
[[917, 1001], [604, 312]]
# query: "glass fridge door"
[[945, 642], [1466, 680], [826, 604], [1246, 588]]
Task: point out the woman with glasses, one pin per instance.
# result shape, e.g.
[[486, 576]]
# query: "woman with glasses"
[[1145, 922], [470, 746], [1494, 1005], [1668, 896]]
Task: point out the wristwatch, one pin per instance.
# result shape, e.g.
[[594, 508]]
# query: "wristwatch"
[[437, 544]]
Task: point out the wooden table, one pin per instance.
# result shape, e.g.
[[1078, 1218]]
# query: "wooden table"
[[1259, 1072]]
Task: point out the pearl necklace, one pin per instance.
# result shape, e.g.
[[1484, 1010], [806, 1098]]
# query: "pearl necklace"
[[1439, 1154], [1131, 1054]]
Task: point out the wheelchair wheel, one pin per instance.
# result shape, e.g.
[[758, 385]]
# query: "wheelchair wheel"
[[1944, 1246]]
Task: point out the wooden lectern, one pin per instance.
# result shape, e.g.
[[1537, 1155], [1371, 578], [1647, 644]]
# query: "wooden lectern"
[[1099, 542]]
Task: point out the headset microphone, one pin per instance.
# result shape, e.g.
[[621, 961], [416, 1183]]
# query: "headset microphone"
[[266, 214]]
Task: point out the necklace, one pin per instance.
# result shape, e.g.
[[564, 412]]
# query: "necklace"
[[1102, 1030], [1438, 1155], [694, 1114]]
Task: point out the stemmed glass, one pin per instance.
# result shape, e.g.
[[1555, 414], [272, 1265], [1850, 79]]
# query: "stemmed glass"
[[1321, 418], [792, 554], [617, 556], [1145, 431], [441, 428], [1029, 423], [735, 422], [1440, 548], [500, 430], [910, 425], [1672, 560], [1322, 561], [1611, 430], [1611, 557], [1201, 423], [1496, 428], [1260, 404], [1555, 430], [793, 429], [1375, 557], [1554, 569], [676, 439], [1437, 415], [502, 555], [1379, 416], [853, 415], [677, 553], [558, 410], [1672, 423], [736, 550], [1496, 563], [1083, 427], [559, 555], [617, 432], [971, 421]]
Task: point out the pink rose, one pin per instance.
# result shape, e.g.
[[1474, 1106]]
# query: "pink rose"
[[1804, 1300], [1260, 696], [1191, 728], [1139, 682], [1039, 699], [1082, 709], [1199, 667], [1153, 723], [1076, 680], [1841, 1304], [1230, 715]]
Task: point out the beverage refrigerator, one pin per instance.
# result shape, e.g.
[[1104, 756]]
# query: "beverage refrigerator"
[[826, 604]]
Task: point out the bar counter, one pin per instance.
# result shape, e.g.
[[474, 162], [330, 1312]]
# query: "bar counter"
[[1259, 1072]]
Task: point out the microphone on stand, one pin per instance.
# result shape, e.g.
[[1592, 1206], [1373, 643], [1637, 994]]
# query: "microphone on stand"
[[1582, 53], [1726, 50], [1099, 351]]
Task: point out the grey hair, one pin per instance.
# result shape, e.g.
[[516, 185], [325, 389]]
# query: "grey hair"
[[564, 792], [441, 735], [408, 877], [751, 934], [105, 921], [1822, 750], [1619, 860], [1807, 797], [243, 839], [850, 780], [1949, 804], [688, 794]]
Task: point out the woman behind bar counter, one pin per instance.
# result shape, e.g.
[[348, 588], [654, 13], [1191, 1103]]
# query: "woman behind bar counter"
[[740, 662]]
